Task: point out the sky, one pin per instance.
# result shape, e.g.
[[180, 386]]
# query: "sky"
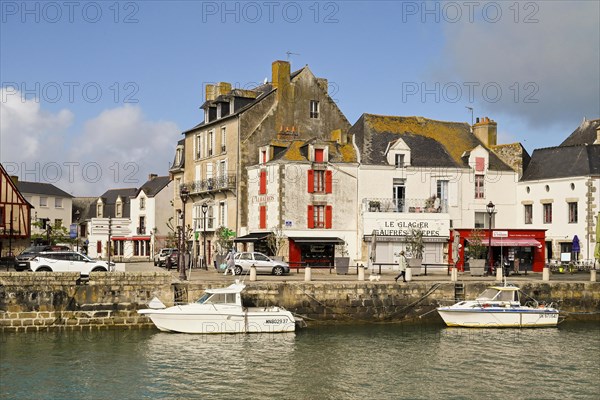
[[95, 94]]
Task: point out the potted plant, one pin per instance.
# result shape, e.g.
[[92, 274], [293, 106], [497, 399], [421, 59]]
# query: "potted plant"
[[374, 206], [343, 262], [476, 252], [415, 247]]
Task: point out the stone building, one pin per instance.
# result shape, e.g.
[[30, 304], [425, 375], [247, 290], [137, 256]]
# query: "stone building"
[[236, 122]]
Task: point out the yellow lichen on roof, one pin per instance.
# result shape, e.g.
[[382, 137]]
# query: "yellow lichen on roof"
[[293, 152], [454, 136], [348, 153]]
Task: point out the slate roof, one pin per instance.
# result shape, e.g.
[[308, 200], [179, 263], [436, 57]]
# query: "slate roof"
[[46, 189], [110, 197], [563, 161], [584, 134], [437, 143], [181, 163], [297, 150], [153, 186]]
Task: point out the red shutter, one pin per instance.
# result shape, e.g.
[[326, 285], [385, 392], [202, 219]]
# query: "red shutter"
[[263, 182], [319, 155], [479, 164], [328, 180], [310, 221], [263, 217], [311, 181], [328, 217]]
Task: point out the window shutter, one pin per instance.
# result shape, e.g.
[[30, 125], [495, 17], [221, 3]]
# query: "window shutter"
[[311, 181], [319, 155], [479, 164], [263, 182], [263, 217], [310, 221], [328, 181], [328, 217]]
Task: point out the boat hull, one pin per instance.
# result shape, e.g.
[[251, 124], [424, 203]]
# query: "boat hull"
[[177, 319], [499, 317]]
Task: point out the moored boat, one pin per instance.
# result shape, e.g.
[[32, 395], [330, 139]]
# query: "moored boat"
[[220, 310], [499, 307]]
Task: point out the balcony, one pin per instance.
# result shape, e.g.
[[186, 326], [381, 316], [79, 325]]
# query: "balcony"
[[428, 205], [216, 184]]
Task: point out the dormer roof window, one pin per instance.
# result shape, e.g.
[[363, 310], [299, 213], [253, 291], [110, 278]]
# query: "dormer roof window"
[[398, 154]]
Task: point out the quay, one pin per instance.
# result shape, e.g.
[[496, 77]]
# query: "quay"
[[46, 301]]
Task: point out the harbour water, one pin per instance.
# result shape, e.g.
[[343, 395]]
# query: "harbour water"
[[333, 362]]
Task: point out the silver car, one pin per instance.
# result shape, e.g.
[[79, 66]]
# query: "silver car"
[[263, 264]]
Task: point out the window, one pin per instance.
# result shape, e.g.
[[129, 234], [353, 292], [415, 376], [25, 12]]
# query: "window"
[[319, 155], [142, 226], [142, 203], [99, 210], [119, 210], [223, 139], [314, 109], [528, 208], [222, 211], [548, 213], [482, 220], [319, 181], [58, 202], [479, 164], [43, 201], [320, 216], [479, 192], [58, 222], [2, 216], [263, 182], [399, 160], [198, 148], [210, 215], [119, 247], [178, 157], [263, 156], [573, 212], [210, 143], [263, 217]]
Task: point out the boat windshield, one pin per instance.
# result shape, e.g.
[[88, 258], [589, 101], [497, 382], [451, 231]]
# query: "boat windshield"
[[488, 294], [497, 295], [217, 298]]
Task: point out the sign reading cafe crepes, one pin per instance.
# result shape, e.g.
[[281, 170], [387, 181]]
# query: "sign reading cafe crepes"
[[430, 227]]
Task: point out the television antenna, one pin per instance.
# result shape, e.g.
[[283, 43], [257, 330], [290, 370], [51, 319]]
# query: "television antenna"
[[470, 109], [289, 53]]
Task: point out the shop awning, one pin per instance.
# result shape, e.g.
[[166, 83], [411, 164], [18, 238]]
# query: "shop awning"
[[512, 242], [318, 240], [118, 238], [252, 237], [140, 238]]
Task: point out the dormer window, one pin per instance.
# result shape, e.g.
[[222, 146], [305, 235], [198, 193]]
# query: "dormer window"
[[399, 160], [142, 203], [119, 208], [99, 210], [318, 154], [263, 155]]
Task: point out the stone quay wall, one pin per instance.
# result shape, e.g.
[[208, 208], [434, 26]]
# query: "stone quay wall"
[[42, 301]]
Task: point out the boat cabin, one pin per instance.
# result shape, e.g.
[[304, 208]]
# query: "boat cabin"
[[503, 294], [230, 295]]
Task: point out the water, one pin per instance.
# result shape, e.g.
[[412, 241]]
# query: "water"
[[347, 362]]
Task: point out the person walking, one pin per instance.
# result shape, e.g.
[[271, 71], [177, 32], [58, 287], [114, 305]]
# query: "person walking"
[[401, 267], [230, 262]]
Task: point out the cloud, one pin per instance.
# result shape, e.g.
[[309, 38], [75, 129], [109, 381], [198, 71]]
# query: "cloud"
[[117, 148], [548, 70]]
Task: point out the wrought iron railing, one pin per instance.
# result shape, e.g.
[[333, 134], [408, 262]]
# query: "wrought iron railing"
[[220, 182], [429, 205]]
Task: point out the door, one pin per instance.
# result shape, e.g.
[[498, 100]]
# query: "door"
[[262, 263], [399, 195], [442, 194]]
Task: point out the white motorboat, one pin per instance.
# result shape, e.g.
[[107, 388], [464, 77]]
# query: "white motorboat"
[[221, 311], [499, 307]]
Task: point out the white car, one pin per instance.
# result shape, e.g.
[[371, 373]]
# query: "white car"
[[68, 261], [243, 262]]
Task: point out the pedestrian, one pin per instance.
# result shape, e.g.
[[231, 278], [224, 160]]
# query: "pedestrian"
[[401, 267], [230, 262]]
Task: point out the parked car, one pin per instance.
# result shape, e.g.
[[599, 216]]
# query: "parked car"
[[174, 258], [30, 252], [263, 264], [67, 261], [160, 258]]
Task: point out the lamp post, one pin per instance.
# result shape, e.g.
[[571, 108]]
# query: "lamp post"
[[184, 195], [490, 210], [204, 210], [77, 214]]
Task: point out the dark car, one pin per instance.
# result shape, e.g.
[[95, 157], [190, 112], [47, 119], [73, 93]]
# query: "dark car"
[[30, 252], [172, 259]]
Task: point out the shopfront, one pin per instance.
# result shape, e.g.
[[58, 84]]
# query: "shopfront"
[[255, 241], [316, 251], [523, 247]]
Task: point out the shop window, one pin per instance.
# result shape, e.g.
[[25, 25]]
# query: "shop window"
[[528, 208], [479, 187], [548, 213], [573, 212]]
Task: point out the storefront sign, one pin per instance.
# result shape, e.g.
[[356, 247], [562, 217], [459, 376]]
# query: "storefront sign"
[[500, 234], [402, 227], [265, 198]]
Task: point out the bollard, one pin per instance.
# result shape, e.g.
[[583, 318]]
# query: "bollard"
[[408, 274], [593, 275], [253, 273], [454, 275], [361, 273], [546, 274], [499, 274], [307, 274]]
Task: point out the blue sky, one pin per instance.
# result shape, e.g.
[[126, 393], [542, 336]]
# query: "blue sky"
[[96, 94]]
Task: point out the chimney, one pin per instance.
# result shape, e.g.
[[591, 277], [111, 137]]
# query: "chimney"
[[152, 176], [223, 88], [209, 92], [486, 130], [14, 179], [281, 79]]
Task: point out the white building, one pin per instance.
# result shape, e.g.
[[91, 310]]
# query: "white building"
[[49, 202]]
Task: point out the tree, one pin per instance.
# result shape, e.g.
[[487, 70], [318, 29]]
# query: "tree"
[[276, 240], [476, 249], [224, 240], [415, 245]]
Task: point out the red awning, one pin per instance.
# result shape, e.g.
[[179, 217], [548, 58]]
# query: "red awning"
[[118, 238], [512, 242], [140, 238]]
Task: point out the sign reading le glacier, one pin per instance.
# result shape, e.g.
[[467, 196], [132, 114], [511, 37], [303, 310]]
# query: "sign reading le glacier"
[[399, 227]]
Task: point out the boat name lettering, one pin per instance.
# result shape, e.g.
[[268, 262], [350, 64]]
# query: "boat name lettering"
[[275, 321]]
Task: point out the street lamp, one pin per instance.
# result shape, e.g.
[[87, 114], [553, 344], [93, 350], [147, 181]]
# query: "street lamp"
[[184, 195], [77, 214], [204, 210], [490, 210]]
